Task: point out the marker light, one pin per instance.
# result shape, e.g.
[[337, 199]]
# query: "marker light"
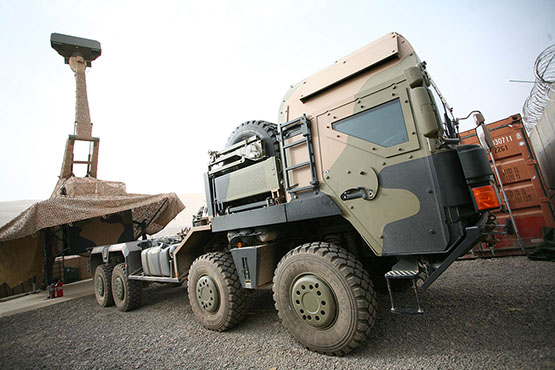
[[486, 197]]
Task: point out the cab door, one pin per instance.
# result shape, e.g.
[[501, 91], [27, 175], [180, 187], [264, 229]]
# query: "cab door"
[[358, 141]]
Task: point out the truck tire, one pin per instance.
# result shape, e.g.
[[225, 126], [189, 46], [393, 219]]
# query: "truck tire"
[[215, 293], [102, 285], [324, 298], [127, 294], [266, 131]]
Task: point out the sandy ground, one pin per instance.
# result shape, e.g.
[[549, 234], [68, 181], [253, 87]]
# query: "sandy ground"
[[481, 314]]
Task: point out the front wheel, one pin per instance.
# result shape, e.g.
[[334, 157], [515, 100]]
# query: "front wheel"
[[128, 294], [325, 298], [215, 293]]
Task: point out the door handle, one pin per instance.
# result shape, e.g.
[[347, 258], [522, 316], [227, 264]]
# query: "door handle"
[[356, 193]]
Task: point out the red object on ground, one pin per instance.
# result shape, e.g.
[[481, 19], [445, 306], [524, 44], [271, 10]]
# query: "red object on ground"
[[52, 290], [528, 195], [60, 289]]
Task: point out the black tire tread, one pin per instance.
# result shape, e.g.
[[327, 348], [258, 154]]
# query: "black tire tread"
[[237, 297], [270, 130], [106, 271], [133, 289], [358, 279]]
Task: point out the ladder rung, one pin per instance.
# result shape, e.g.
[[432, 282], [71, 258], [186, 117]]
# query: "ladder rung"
[[300, 189], [304, 164], [302, 141], [82, 162], [291, 123], [293, 132]]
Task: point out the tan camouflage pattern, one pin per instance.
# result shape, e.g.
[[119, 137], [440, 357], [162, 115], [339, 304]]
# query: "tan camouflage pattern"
[[86, 199], [83, 126], [371, 76]]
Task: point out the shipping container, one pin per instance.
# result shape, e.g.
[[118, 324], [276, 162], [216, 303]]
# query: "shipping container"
[[528, 196]]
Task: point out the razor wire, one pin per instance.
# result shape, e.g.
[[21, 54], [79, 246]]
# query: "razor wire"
[[544, 69]]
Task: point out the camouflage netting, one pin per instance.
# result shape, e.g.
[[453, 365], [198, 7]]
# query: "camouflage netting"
[[75, 199]]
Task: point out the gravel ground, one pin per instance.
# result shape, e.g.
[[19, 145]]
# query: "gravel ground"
[[497, 313]]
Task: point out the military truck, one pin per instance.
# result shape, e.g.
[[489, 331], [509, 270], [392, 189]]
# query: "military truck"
[[361, 185]]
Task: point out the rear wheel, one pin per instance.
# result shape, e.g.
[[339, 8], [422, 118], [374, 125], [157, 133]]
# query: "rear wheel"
[[324, 298], [215, 293], [127, 294], [102, 285]]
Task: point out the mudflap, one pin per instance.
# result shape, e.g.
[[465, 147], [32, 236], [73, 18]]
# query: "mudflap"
[[473, 235]]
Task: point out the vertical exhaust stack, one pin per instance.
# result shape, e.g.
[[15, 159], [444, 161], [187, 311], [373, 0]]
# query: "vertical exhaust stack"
[[79, 53]]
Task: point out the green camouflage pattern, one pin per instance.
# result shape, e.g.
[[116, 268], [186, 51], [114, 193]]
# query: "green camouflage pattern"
[[348, 162]]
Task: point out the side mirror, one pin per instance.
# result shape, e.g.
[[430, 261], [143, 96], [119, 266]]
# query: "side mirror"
[[479, 119], [482, 132]]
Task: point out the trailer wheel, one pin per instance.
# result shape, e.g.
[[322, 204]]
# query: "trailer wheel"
[[127, 294], [102, 285], [325, 298], [215, 293], [266, 131]]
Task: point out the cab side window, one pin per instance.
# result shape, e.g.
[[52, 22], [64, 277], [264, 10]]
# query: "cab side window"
[[383, 124]]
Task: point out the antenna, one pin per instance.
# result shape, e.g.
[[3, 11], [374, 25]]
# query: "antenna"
[[79, 53]]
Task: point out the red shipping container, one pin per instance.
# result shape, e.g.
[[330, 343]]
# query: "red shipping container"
[[520, 174]]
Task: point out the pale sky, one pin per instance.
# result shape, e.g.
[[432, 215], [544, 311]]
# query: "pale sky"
[[176, 77]]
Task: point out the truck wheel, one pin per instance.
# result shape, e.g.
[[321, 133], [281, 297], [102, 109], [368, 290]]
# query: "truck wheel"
[[128, 294], [215, 293], [266, 131], [325, 298], [102, 285]]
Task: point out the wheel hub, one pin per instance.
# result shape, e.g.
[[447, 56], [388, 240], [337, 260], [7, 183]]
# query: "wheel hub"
[[313, 301], [207, 294], [118, 288], [99, 284]]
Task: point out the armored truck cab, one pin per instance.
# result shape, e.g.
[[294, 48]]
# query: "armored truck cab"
[[360, 186], [362, 139]]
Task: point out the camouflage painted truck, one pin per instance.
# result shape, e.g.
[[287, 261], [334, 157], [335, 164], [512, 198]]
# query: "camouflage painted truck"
[[362, 185]]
